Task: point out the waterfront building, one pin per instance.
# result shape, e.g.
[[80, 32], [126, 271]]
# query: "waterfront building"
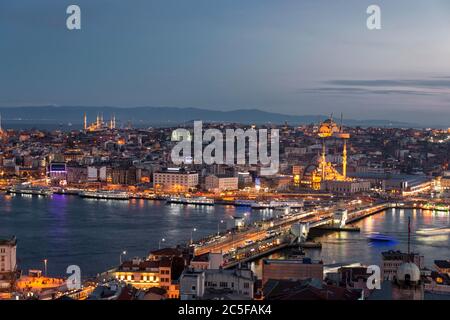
[[76, 174], [175, 179], [291, 269], [244, 179], [220, 183], [96, 173], [408, 185], [57, 171], [123, 175], [217, 283], [445, 183], [346, 187]]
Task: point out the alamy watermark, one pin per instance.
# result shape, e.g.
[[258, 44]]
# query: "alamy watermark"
[[257, 150], [73, 282]]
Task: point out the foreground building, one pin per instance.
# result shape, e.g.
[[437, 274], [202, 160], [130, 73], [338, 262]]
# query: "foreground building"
[[8, 263], [291, 269], [217, 284]]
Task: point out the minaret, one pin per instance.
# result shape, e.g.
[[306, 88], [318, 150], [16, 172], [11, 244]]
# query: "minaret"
[[85, 121], [112, 122], [98, 121], [324, 159], [344, 160]]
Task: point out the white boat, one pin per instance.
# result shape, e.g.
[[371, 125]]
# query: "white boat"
[[277, 204], [203, 201], [110, 195], [30, 190], [433, 231]]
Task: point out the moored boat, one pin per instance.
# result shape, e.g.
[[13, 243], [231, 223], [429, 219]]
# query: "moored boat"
[[110, 195], [203, 201], [30, 190]]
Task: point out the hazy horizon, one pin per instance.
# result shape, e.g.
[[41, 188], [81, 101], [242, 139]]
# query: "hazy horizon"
[[284, 56]]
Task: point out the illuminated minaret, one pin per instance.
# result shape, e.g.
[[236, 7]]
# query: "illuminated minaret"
[[85, 121], [324, 159], [344, 160], [98, 120], [112, 123]]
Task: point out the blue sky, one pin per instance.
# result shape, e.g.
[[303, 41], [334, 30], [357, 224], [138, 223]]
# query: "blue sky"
[[288, 56]]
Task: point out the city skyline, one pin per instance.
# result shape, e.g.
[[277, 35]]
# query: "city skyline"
[[298, 58]]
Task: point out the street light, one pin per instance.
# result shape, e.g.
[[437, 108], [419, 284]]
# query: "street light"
[[159, 244], [218, 227], [45, 266], [120, 256], [192, 231]]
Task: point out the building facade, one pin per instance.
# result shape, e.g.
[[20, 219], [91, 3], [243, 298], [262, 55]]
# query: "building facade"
[[219, 183], [175, 180], [291, 269]]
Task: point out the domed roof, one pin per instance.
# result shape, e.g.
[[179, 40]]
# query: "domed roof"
[[408, 271], [327, 128]]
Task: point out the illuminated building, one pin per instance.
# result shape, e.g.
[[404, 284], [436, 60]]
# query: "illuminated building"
[[175, 179], [99, 124], [144, 274], [219, 183], [57, 171], [315, 175]]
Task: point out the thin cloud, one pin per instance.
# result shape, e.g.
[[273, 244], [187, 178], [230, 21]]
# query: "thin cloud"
[[436, 83], [364, 91]]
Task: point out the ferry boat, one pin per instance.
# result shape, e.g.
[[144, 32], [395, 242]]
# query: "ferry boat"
[[203, 201], [110, 195], [244, 203], [442, 208], [30, 190], [433, 231], [276, 204]]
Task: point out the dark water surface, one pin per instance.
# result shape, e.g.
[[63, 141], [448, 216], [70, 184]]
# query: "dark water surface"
[[92, 233]]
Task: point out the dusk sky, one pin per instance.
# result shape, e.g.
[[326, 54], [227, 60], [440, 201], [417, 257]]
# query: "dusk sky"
[[299, 57]]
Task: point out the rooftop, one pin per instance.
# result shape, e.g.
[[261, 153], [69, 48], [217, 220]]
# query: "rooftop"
[[8, 242], [444, 264]]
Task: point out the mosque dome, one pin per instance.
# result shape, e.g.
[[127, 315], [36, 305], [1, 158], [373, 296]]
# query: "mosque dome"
[[328, 128], [408, 272]]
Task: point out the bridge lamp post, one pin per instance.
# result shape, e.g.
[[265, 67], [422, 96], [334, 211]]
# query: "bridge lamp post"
[[45, 266], [218, 227], [192, 231], [159, 244], [123, 253]]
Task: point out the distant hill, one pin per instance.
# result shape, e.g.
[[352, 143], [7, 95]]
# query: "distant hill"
[[168, 115]]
